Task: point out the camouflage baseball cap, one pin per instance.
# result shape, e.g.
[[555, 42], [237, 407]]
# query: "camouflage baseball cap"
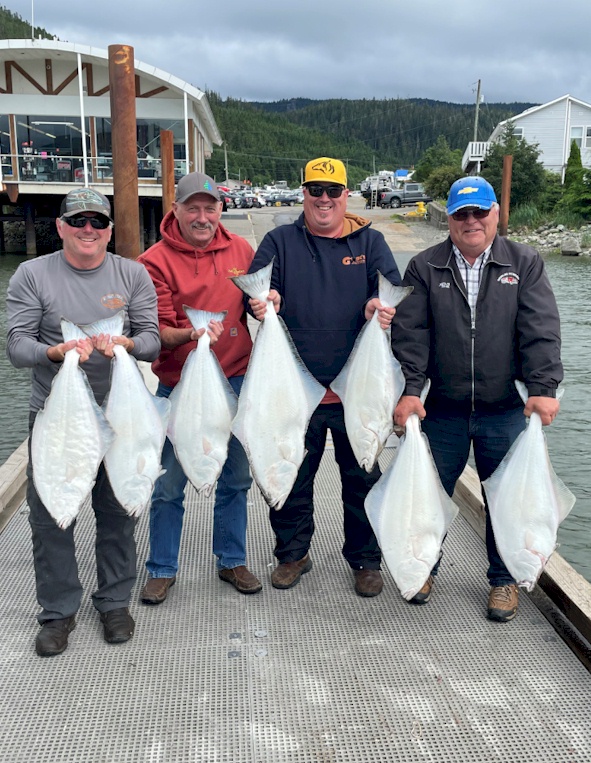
[[85, 200]]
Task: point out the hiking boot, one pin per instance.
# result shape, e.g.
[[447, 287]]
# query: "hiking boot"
[[502, 602], [241, 578], [52, 639], [368, 582], [156, 590], [423, 596], [118, 625], [288, 574]]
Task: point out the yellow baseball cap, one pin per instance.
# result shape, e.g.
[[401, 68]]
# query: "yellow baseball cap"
[[325, 170]]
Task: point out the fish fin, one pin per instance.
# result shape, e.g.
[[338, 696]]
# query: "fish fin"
[[200, 318], [112, 326], [71, 330], [256, 285]]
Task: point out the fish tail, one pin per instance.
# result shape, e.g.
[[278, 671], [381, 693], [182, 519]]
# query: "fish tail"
[[256, 285], [113, 326], [389, 294], [200, 319]]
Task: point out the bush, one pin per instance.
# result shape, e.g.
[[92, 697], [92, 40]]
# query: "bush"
[[526, 216], [440, 180]]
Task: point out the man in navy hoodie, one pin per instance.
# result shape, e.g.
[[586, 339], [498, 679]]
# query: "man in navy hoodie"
[[324, 286]]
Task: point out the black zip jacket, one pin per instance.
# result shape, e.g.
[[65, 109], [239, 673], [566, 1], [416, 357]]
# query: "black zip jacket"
[[516, 331], [324, 284]]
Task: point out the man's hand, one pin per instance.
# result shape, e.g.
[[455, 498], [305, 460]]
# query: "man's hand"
[[407, 405], [259, 307], [385, 314], [83, 347], [104, 344], [215, 330], [546, 407]]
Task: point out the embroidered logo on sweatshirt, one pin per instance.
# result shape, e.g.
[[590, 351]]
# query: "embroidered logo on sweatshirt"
[[236, 272], [509, 278], [359, 260]]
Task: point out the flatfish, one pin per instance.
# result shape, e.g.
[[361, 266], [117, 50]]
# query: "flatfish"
[[409, 510], [277, 400], [70, 438], [371, 382], [139, 421], [527, 502], [203, 406]]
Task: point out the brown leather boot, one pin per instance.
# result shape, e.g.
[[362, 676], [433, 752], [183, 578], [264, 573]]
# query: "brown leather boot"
[[156, 590], [368, 582], [503, 601], [288, 574], [423, 596], [241, 578]]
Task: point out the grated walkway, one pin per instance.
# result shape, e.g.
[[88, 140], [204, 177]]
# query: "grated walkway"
[[314, 674]]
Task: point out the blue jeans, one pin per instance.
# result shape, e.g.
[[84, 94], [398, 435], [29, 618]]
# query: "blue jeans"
[[450, 433], [229, 511]]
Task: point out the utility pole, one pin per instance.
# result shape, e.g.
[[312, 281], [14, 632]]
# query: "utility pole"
[[32, 19], [476, 115], [226, 162]]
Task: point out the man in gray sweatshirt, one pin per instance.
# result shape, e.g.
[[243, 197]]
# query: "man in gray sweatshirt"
[[83, 283]]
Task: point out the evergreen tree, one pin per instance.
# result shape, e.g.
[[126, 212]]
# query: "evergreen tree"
[[436, 156]]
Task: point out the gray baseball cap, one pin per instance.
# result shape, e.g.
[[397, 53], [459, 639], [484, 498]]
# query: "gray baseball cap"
[[196, 182], [85, 200]]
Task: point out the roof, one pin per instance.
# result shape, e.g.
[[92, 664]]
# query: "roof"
[[499, 128], [39, 49]]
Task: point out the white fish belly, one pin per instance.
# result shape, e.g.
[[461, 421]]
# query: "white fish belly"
[[410, 512], [276, 402], [203, 406], [369, 386], [133, 462], [527, 502], [69, 440]]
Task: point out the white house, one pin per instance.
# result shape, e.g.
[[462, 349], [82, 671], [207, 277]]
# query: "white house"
[[552, 126]]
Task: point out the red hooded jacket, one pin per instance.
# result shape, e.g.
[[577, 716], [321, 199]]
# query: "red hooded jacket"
[[199, 278]]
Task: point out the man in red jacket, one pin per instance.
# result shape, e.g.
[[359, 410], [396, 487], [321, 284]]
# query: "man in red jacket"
[[191, 265]]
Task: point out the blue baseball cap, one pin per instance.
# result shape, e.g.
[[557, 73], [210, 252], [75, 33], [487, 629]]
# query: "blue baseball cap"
[[472, 191]]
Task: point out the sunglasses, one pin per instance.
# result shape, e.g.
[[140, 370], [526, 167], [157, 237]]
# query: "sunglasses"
[[98, 223], [463, 214], [332, 191]]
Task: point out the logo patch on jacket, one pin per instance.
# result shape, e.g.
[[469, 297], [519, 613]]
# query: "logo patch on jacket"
[[359, 260], [445, 285], [113, 301], [509, 278], [236, 272]]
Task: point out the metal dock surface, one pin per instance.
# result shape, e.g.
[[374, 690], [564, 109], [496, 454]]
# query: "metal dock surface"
[[314, 674]]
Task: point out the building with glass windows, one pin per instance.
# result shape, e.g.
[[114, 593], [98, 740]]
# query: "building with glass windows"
[[55, 127]]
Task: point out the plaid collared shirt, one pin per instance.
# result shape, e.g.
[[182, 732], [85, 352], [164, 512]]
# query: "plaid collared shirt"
[[471, 274]]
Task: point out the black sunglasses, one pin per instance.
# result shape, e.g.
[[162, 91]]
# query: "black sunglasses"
[[332, 191], [99, 223], [478, 214]]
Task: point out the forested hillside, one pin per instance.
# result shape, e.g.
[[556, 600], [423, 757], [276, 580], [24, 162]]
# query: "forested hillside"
[[13, 27], [272, 141]]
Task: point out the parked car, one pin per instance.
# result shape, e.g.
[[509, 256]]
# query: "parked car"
[[410, 193], [282, 199]]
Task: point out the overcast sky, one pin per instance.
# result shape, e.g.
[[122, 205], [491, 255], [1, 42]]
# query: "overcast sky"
[[522, 50]]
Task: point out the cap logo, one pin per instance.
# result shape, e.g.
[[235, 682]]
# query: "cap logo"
[[85, 195], [468, 189], [207, 185], [326, 167]]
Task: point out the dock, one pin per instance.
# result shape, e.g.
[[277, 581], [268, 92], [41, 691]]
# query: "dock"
[[314, 674]]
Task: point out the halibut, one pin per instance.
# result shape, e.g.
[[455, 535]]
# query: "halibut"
[[203, 406], [278, 398], [371, 383], [70, 438], [527, 502]]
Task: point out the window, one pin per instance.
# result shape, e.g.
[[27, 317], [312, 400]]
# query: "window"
[[588, 137], [576, 134], [518, 132]]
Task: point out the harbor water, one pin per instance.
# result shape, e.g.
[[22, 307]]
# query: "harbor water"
[[568, 437]]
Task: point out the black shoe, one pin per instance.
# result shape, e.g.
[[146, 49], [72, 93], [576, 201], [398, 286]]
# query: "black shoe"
[[423, 596], [53, 637], [118, 625]]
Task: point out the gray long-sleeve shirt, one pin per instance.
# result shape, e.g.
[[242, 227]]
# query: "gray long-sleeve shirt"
[[44, 290]]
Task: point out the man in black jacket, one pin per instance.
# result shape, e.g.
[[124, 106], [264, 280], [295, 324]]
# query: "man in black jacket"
[[324, 286], [482, 314]]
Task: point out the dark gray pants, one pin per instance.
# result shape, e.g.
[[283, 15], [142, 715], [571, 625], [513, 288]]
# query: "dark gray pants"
[[59, 591]]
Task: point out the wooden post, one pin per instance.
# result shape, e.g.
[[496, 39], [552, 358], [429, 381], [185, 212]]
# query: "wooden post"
[[167, 159], [30, 235], [506, 195], [124, 141]]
